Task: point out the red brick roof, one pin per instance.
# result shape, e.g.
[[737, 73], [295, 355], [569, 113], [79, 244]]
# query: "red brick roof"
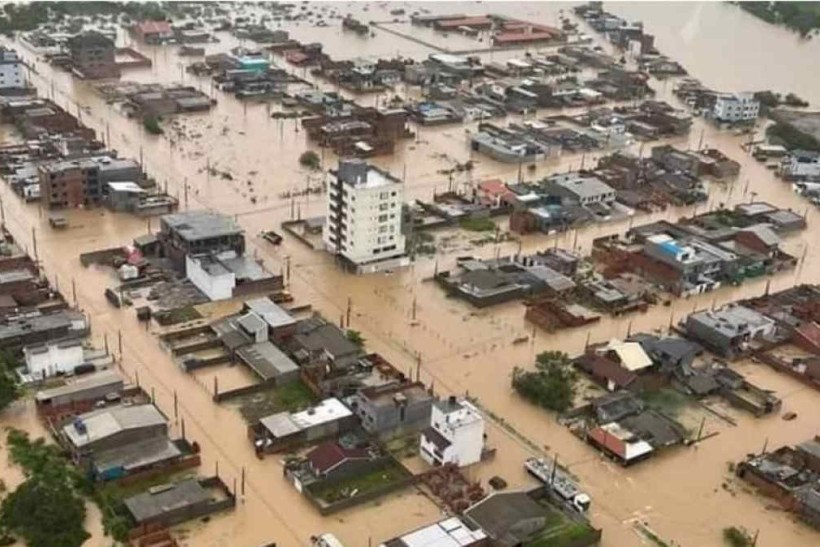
[[520, 37], [330, 454], [493, 186], [479, 21], [605, 369], [808, 335], [154, 27]]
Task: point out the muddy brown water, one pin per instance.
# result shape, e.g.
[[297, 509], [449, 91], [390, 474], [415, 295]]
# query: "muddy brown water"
[[679, 495]]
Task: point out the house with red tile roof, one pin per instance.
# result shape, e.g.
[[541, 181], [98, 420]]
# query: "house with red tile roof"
[[153, 32]]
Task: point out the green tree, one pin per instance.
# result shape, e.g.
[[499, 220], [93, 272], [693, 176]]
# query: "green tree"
[[9, 391], [151, 124], [791, 137], [737, 537], [45, 511], [37, 458], [355, 337], [310, 159], [48, 508], [552, 383]]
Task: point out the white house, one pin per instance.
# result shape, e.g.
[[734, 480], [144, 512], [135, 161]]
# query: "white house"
[[210, 277], [802, 165], [736, 107], [363, 222], [219, 275], [47, 360], [450, 532], [455, 435], [11, 70], [585, 189]]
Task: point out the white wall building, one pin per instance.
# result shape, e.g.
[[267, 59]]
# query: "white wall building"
[[57, 358], [450, 532], [802, 164], [213, 279], [11, 70], [455, 435], [737, 107], [363, 221], [585, 189]]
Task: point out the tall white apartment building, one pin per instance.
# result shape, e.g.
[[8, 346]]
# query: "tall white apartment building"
[[736, 107], [455, 435], [363, 222], [11, 70]]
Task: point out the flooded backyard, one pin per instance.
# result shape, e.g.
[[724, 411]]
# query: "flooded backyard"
[[686, 496]]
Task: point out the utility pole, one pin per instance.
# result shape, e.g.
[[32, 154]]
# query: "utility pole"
[[349, 310], [34, 244], [119, 342]]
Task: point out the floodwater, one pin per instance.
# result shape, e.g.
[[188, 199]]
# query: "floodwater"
[[678, 495]]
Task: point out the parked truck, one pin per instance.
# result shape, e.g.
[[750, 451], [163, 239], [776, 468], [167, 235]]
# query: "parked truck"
[[560, 483]]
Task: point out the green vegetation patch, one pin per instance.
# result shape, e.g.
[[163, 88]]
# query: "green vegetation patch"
[[381, 478], [803, 17], [666, 400], [789, 136], [48, 508], [176, 316], [737, 537], [561, 531], [9, 390], [551, 385], [310, 159], [151, 125], [478, 224], [290, 397]]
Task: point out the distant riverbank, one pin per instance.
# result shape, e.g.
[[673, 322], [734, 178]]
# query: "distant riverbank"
[[803, 17]]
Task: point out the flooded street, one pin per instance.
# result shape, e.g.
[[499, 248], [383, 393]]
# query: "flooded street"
[[680, 495]]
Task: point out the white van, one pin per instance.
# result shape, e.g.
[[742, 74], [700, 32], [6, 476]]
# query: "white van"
[[326, 540]]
